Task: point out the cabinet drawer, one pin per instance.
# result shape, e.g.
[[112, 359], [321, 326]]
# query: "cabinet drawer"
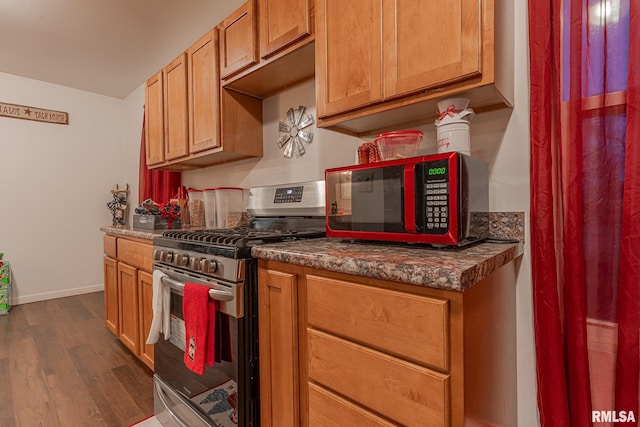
[[409, 326], [110, 246], [327, 409], [401, 391], [135, 253]]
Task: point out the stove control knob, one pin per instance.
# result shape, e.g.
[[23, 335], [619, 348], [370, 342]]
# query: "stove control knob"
[[168, 256], [194, 263], [181, 260], [209, 265], [157, 254]]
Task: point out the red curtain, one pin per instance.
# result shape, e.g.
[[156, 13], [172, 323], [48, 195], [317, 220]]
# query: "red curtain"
[[157, 185], [585, 206]]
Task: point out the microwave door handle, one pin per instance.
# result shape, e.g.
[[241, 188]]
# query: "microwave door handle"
[[215, 294], [409, 191]]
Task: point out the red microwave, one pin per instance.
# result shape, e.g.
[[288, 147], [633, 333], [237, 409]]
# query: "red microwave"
[[440, 199]]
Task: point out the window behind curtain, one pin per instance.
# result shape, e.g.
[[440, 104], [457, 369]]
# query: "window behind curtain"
[[604, 81]]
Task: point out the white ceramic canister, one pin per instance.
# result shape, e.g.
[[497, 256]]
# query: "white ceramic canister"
[[454, 136], [453, 130]]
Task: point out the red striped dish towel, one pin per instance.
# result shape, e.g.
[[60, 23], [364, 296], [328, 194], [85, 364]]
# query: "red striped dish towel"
[[199, 323]]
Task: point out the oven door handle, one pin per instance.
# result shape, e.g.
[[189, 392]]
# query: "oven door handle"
[[215, 294]]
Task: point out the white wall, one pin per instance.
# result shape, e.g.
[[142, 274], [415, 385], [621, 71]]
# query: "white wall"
[[55, 182], [133, 115]]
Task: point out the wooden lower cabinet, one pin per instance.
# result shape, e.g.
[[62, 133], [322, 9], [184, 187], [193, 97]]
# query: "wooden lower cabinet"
[[145, 314], [128, 293], [128, 298], [278, 322], [111, 303], [338, 349]]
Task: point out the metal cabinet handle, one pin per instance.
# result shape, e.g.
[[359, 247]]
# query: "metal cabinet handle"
[[215, 294]]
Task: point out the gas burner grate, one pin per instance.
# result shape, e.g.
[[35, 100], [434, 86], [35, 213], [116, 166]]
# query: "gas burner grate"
[[239, 238]]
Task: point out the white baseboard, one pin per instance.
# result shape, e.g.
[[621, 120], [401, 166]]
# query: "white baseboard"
[[25, 299]]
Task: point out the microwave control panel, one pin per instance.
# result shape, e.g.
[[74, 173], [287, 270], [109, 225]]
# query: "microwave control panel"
[[436, 196]]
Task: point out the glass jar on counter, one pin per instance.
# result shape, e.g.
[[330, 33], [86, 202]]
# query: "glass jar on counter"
[[197, 211]]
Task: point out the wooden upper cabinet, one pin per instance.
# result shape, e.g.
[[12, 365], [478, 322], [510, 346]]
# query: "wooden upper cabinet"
[[348, 55], [175, 109], [428, 44], [283, 32], [282, 22], [154, 120], [204, 93], [238, 40], [384, 64]]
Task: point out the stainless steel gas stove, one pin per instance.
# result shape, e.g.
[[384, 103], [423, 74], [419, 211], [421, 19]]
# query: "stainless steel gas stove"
[[227, 393]]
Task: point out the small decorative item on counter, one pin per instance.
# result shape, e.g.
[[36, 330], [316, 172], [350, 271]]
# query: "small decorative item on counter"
[[118, 206], [399, 144], [5, 286], [148, 207], [452, 126], [196, 208], [152, 216], [171, 212], [182, 199], [368, 153]]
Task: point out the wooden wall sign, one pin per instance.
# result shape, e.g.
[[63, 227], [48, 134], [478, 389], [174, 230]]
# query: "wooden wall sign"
[[35, 114]]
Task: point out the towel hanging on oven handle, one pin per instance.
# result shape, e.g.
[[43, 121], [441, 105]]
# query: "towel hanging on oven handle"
[[215, 294]]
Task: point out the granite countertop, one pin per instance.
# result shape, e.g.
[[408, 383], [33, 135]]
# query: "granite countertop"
[[451, 268], [455, 269], [128, 231]]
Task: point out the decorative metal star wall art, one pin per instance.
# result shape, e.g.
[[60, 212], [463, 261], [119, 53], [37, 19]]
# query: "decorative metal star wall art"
[[293, 137]]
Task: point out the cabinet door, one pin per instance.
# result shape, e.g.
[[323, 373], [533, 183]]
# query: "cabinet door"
[[154, 120], [348, 55], [278, 323], [238, 45], [145, 310], [282, 22], [175, 109], [428, 44], [128, 298], [111, 302], [204, 90]]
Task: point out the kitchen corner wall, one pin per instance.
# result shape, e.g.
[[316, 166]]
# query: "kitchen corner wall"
[[55, 181]]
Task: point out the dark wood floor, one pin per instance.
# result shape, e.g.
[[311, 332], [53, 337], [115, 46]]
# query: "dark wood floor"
[[59, 366]]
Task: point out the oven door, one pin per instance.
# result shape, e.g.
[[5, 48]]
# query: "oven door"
[[226, 394]]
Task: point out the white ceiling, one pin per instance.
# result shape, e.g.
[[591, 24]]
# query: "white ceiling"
[[103, 46]]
